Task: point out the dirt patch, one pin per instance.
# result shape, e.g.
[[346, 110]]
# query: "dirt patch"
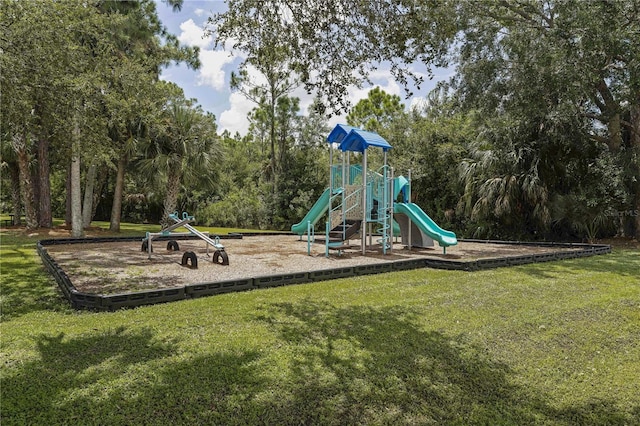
[[621, 243], [120, 267]]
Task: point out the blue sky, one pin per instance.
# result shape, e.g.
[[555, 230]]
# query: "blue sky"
[[210, 84]]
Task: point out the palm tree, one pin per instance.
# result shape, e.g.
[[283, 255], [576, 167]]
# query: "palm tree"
[[183, 150], [502, 183]]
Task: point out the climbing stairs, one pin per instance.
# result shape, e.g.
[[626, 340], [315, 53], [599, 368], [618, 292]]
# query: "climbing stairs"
[[344, 231]]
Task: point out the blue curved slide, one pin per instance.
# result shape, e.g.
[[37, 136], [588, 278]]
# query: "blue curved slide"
[[316, 212], [426, 224]]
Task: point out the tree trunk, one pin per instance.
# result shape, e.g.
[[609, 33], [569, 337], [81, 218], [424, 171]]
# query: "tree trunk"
[[272, 137], [116, 209], [35, 181], [282, 154], [635, 149], [77, 230], [87, 206], [171, 197], [15, 193], [610, 109], [67, 207], [44, 184], [97, 190], [26, 184], [615, 133], [636, 212]]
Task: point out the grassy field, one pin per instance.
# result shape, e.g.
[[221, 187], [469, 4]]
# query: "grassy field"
[[552, 343]]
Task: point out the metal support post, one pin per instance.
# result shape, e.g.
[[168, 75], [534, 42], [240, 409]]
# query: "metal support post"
[[390, 207], [409, 202], [364, 202]]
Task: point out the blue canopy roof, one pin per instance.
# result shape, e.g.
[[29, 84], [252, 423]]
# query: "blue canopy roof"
[[353, 139], [339, 133], [359, 140]]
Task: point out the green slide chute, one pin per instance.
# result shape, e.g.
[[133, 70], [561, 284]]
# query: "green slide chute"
[[426, 224], [316, 212]]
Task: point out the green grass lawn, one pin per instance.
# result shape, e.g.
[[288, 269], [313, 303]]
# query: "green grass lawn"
[[551, 343]]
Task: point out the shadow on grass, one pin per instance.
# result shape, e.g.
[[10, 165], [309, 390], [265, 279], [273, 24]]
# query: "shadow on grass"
[[121, 377], [329, 365], [26, 285], [359, 365]]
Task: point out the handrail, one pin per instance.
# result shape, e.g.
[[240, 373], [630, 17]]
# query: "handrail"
[[355, 194], [311, 236], [383, 189]]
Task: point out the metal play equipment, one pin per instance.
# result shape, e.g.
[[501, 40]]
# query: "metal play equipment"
[[189, 258], [362, 203], [358, 202]]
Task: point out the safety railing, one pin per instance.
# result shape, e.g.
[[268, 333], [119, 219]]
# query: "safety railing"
[[383, 181], [354, 175]]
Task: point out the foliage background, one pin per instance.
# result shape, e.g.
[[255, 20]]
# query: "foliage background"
[[536, 137]]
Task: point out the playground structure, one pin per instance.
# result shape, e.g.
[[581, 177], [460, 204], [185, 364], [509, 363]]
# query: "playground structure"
[[189, 258], [358, 203], [362, 203]]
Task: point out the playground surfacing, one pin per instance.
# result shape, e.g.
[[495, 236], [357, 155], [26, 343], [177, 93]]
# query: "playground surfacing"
[[121, 267]]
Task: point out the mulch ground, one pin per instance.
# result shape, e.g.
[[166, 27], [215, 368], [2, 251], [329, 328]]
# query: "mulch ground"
[[121, 267]]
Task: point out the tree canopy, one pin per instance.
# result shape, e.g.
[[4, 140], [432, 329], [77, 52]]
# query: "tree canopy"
[[376, 112], [536, 136], [85, 83], [557, 71], [333, 44]]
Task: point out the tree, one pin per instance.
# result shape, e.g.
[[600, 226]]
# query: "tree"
[[266, 97], [308, 165], [30, 79], [565, 65], [183, 149], [334, 44], [135, 96], [271, 59], [431, 140], [133, 104], [45, 80], [61, 83], [377, 112], [536, 58], [504, 191], [245, 197], [283, 125]]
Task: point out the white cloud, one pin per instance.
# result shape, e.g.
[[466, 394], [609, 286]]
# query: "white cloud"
[[199, 12], [211, 72], [306, 100], [337, 119], [191, 35], [234, 119], [418, 102], [212, 61], [255, 76]]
